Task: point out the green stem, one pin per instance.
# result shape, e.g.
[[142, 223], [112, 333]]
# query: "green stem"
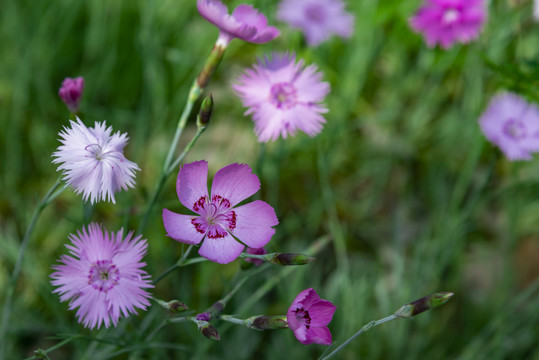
[[232, 319], [181, 262], [361, 331], [167, 170], [47, 199]]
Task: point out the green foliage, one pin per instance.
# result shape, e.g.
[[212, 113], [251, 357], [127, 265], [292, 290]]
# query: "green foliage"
[[401, 179]]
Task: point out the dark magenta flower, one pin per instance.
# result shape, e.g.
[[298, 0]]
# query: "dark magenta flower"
[[71, 91], [308, 317], [318, 19], [511, 123], [449, 21], [224, 227], [245, 23]]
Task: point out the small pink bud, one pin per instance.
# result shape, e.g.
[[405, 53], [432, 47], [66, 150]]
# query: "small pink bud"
[[71, 91]]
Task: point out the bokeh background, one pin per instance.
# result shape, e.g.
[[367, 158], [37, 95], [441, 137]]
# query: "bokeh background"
[[412, 197]]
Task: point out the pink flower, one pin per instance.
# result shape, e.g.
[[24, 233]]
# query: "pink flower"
[[245, 23], [103, 278], [71, 91], [224, 227], [512, 124], [92, 161], [449, 21], [318, 19], [308, 317], [283, 97]]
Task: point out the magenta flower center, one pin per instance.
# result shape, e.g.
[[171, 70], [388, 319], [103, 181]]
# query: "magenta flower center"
[[103, 275], [283, 95], [315, 13], [216, 217], [450, 16], [303, 316], [514, 129]]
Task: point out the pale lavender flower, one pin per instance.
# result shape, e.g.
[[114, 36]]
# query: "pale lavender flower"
[[318, 19], [224, 227], [283, 97], [92, 161], [308, 317], [71, 91], [536, 9], [511, 123], [245, 23], [103, 276], [449, 21]]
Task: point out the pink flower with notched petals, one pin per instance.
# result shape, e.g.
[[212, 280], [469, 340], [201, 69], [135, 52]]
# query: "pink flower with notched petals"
[[308, 317], [92, 161], [283, 97], [223, 226], [103, 276], [449, 21], [512, 124], [318, 19], [245, 23]]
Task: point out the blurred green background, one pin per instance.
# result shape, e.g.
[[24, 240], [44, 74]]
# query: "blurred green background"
[[401, 180]]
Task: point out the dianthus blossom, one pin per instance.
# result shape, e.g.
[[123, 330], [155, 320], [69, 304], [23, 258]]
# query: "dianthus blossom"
[[308, 317], [244, 23], [222, 225], [103, 276], [536, 9], [92, 161], [511, 123], [71, 92], [446, 22], [318, 19], [283, 97]]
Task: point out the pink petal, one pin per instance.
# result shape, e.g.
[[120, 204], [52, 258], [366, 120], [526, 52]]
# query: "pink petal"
[[235, 182], [180, 228], [318, 335], [321, 313], [246, 14], [192, 183], [221, 250], [254, 223], [309, 294]]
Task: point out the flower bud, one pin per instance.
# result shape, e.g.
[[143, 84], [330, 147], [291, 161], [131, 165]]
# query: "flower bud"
[[289, 259], [174, 306], [425, 303], [208, 331], [262, 322], [206, 109], [71, 92]]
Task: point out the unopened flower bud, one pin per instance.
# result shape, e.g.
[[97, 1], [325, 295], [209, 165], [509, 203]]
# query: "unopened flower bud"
[[263, 322], [208, 331], [290, 259], [425, 303], [206, 109], [216, 308], [174, 306], [71, 92]]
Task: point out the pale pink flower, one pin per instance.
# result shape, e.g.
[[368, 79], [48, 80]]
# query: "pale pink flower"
[[71, 91], [446, 22], [318, 19], [92, 161], [244, 23], [308, 317], [512, 123], [283, 96], [223, 226], [103, 276]]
